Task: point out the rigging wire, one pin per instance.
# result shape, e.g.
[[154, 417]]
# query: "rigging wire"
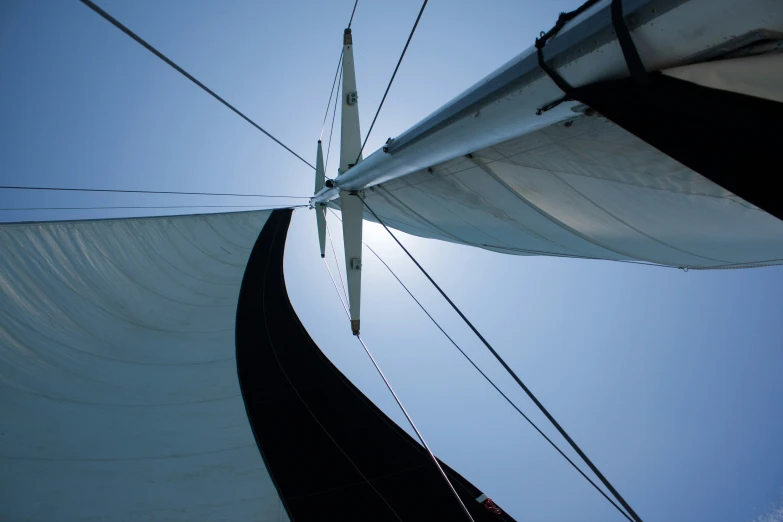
[[187, 75], [9, 209], [315, 418], [334, 113], [329, 103], [353, 13], [511, 372], [336, 263], [336, 72], [126, 191], [410, 36], [337, 290], [486, 377], [396, 398], [418, 433]]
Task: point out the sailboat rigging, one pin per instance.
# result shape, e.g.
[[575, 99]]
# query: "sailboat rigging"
[[625, 133]]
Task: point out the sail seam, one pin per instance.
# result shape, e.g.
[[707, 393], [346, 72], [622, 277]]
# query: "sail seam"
[[483, 166]]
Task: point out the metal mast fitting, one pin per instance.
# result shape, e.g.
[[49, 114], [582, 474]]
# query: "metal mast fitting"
[[350, 201]]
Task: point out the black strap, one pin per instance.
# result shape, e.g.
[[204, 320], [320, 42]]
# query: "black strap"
[[541, 41], [632, 59], [559, 81]]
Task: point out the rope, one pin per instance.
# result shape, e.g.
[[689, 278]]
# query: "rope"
[[187, 75], [511, 372], [125, 191], [486, 377], [410, 36]]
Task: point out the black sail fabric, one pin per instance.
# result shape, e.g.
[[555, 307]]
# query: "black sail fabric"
[[332, 454], [732, 139]]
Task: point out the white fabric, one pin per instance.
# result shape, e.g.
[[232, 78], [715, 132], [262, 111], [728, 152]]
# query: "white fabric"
[[760, 76], [584, 188], [119, 396]]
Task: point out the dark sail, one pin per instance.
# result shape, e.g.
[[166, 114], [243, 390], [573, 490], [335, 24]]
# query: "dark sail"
[[332, 453], [729, 138]]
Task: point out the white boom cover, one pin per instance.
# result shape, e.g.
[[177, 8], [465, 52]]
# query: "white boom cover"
[[119, 396], [583, 188]]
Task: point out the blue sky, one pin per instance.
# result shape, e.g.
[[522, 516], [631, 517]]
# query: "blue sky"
[[670, 381]]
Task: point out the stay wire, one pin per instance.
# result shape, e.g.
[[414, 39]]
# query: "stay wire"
[[353, 13], [339, 65], [418, 433], [410, 36], [151, 207], [331, 93], [486, 377], [126, 191], [336, 289], [334, 113], [187, 75], [397, 399], [511, 372], [336, 263]]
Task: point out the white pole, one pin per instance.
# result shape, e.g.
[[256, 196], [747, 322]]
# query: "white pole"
[[352, 206]]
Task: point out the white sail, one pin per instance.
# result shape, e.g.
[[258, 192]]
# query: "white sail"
[[118, 375], [582, 188], [503, 105], [505, 166], [118, 382]]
